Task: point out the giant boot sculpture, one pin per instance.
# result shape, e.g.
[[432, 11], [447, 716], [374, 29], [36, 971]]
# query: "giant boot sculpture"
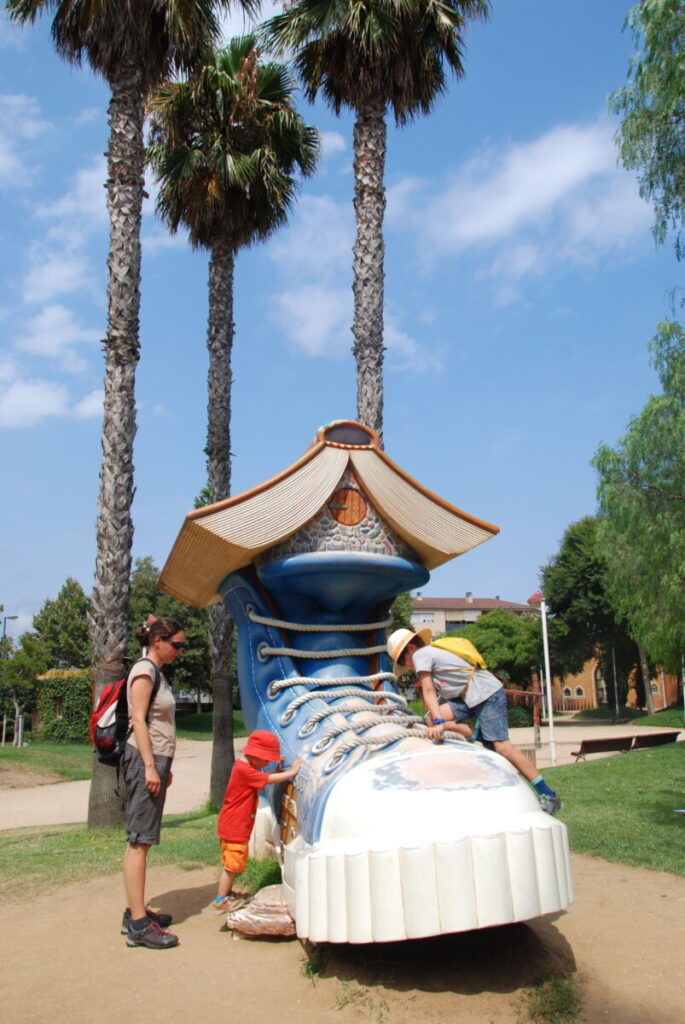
[[384, 835]]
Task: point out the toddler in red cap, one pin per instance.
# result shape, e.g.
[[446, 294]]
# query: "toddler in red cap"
[[237, 816]]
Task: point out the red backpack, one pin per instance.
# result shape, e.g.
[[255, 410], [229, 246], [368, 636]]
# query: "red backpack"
[[109, 728]]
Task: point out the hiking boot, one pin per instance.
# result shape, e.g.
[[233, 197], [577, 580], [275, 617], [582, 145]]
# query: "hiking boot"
[[163, 920], [550, 804], [151, 936]]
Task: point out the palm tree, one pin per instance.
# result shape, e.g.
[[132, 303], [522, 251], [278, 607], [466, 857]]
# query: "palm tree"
[[368, 55], [225, 147], [133, 46]]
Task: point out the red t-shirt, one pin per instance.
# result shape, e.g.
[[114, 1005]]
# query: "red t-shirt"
[[236, 817]]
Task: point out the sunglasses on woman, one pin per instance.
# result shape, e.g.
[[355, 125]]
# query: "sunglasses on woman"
[[177, 645]]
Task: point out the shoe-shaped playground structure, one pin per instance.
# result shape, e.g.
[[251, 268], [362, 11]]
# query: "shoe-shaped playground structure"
[[384, 835]]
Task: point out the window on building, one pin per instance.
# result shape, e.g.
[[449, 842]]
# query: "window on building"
[[580, 692], [422, 617], [567, 691]]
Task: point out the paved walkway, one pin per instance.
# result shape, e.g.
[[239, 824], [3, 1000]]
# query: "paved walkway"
[[67, 802]]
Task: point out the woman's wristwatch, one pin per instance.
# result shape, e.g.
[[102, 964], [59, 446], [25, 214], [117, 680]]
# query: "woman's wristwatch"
[[438, 721]]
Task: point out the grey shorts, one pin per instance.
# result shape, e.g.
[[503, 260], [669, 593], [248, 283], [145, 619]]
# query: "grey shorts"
[[143, 811], [490, 714]]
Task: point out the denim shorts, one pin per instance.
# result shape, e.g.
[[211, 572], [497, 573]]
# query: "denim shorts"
[[490, 714], [143, 811]]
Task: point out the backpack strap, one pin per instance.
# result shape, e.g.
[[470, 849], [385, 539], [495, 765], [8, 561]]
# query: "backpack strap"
[[455, 670], [155, 690]]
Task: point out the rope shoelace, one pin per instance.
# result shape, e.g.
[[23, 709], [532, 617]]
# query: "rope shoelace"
[[366, 706]]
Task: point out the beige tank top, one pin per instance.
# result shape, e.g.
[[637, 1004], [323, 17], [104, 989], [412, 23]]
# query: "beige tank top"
[[162, 716]]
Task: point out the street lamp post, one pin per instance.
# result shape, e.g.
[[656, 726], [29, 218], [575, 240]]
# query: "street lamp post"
[[5, 620], [538, 600]]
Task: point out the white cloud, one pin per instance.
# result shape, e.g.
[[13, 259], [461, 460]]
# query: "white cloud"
[[55, 274], [53, 333], [497, 194], [58, 261], [8, 368], [10, 33], [27, 402], [560, 200], [90, 407], [88, 115], [317, 242], [404, 352], [332, 143], [316, 319], [20, 125], [85, 204]]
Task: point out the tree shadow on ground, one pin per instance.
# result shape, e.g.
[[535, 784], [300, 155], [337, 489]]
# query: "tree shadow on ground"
[[502, 959]]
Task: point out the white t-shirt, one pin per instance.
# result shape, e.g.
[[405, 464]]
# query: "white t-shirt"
[[451, 674]]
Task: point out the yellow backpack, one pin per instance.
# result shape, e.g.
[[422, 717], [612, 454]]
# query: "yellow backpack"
[[463, 649]]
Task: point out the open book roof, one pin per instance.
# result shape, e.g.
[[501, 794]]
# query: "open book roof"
[[217, 539]]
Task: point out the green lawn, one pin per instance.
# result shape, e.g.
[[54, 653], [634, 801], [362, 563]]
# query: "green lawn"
[[671, 718], [199, 727], [622, 808], [71, 761], [619, 808]]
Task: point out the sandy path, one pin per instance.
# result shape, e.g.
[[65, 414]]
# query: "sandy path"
[[67, 802], [622, 938]]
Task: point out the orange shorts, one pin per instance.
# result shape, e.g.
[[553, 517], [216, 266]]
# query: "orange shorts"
[[233, 856]]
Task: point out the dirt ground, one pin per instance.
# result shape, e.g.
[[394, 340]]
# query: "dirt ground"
[[63, 956]]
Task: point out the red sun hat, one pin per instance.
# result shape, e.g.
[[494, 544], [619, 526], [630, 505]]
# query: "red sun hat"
[[263, 744]]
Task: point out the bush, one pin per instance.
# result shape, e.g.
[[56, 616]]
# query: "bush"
[[519, 716], [64, 704]]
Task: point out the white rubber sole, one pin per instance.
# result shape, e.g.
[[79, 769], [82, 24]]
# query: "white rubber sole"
[[377, 895]]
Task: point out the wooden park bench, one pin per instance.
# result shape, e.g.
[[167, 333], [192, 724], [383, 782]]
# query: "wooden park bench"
[[607, 745], [623, 744], [655, 739]]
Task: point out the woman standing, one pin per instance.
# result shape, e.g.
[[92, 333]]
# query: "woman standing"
[[147, 770]]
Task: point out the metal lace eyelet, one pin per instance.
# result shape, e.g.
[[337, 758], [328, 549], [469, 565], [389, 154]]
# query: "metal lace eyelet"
[[334, 761], [261, 656], [272, 690], [307, 729], [322, 744], [287, 716]]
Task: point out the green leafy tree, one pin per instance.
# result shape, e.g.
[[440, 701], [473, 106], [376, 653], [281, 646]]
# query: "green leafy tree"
[[401, 613], [652, 134], [369, 56], [21, 664], [583, 623], [62, 628], [226, 147], [192, 671], [133, 46], [511, 646], [641, 492]]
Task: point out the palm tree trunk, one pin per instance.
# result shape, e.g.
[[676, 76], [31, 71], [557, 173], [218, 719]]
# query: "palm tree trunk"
[[110, 599], [218, 451], [369, 207]]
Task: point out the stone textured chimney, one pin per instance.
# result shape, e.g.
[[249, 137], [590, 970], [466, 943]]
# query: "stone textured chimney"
[[469, 597]]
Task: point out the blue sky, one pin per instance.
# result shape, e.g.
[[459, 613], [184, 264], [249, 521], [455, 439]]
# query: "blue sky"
[[522, 288]]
